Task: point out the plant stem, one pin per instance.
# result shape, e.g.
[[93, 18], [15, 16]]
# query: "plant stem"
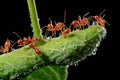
[[37, 32]]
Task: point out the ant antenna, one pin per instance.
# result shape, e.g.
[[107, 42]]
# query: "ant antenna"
[[65, 16], [102, 12], [86, 14], [17, 35], [50, 20]]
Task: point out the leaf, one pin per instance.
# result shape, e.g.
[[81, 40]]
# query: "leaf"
[[57, 51], [52, 72]]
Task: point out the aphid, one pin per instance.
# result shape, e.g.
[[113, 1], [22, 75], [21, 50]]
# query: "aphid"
[[37, 51], [6, 48]]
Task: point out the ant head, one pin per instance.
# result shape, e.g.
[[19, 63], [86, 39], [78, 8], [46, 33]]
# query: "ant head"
[[20, 41], [35, 39], [96, 17], [50, 26]]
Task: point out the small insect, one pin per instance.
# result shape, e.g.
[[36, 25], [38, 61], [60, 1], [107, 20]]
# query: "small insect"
[[84, 21], [80, 23], [49, 27], [6, 48], [37, 51], [100, 19], [58, 26], [76, 24], [28, 41], [25, 41]]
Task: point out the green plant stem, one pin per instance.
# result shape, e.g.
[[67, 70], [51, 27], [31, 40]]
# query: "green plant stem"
[[37, 32]]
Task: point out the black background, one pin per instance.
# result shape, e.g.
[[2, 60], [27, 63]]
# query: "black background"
[[14, 17]]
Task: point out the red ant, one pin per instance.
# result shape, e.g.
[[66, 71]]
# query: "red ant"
[[100, 19], [84, 21], [58, 26], [27, 41], [49, 27], [6, 47], [80, 22]]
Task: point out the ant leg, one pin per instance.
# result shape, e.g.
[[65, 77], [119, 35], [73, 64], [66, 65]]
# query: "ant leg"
[[107, 23], [46, 32], [53, 34], [1, 50]]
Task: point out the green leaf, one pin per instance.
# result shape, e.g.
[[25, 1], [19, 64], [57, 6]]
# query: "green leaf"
[[52, 72], [60, 50]]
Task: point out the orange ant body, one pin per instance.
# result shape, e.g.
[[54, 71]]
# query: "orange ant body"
[[76, 24], [80, 22], [100, 19], [49, 27], [66, 31], [6, 47], [27, 41], [58, 26]]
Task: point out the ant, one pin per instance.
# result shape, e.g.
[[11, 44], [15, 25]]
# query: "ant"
[[80, 22], [100, 19], [84, 21], [27, 41], [58, 26], [6, 48], [49, 27]]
